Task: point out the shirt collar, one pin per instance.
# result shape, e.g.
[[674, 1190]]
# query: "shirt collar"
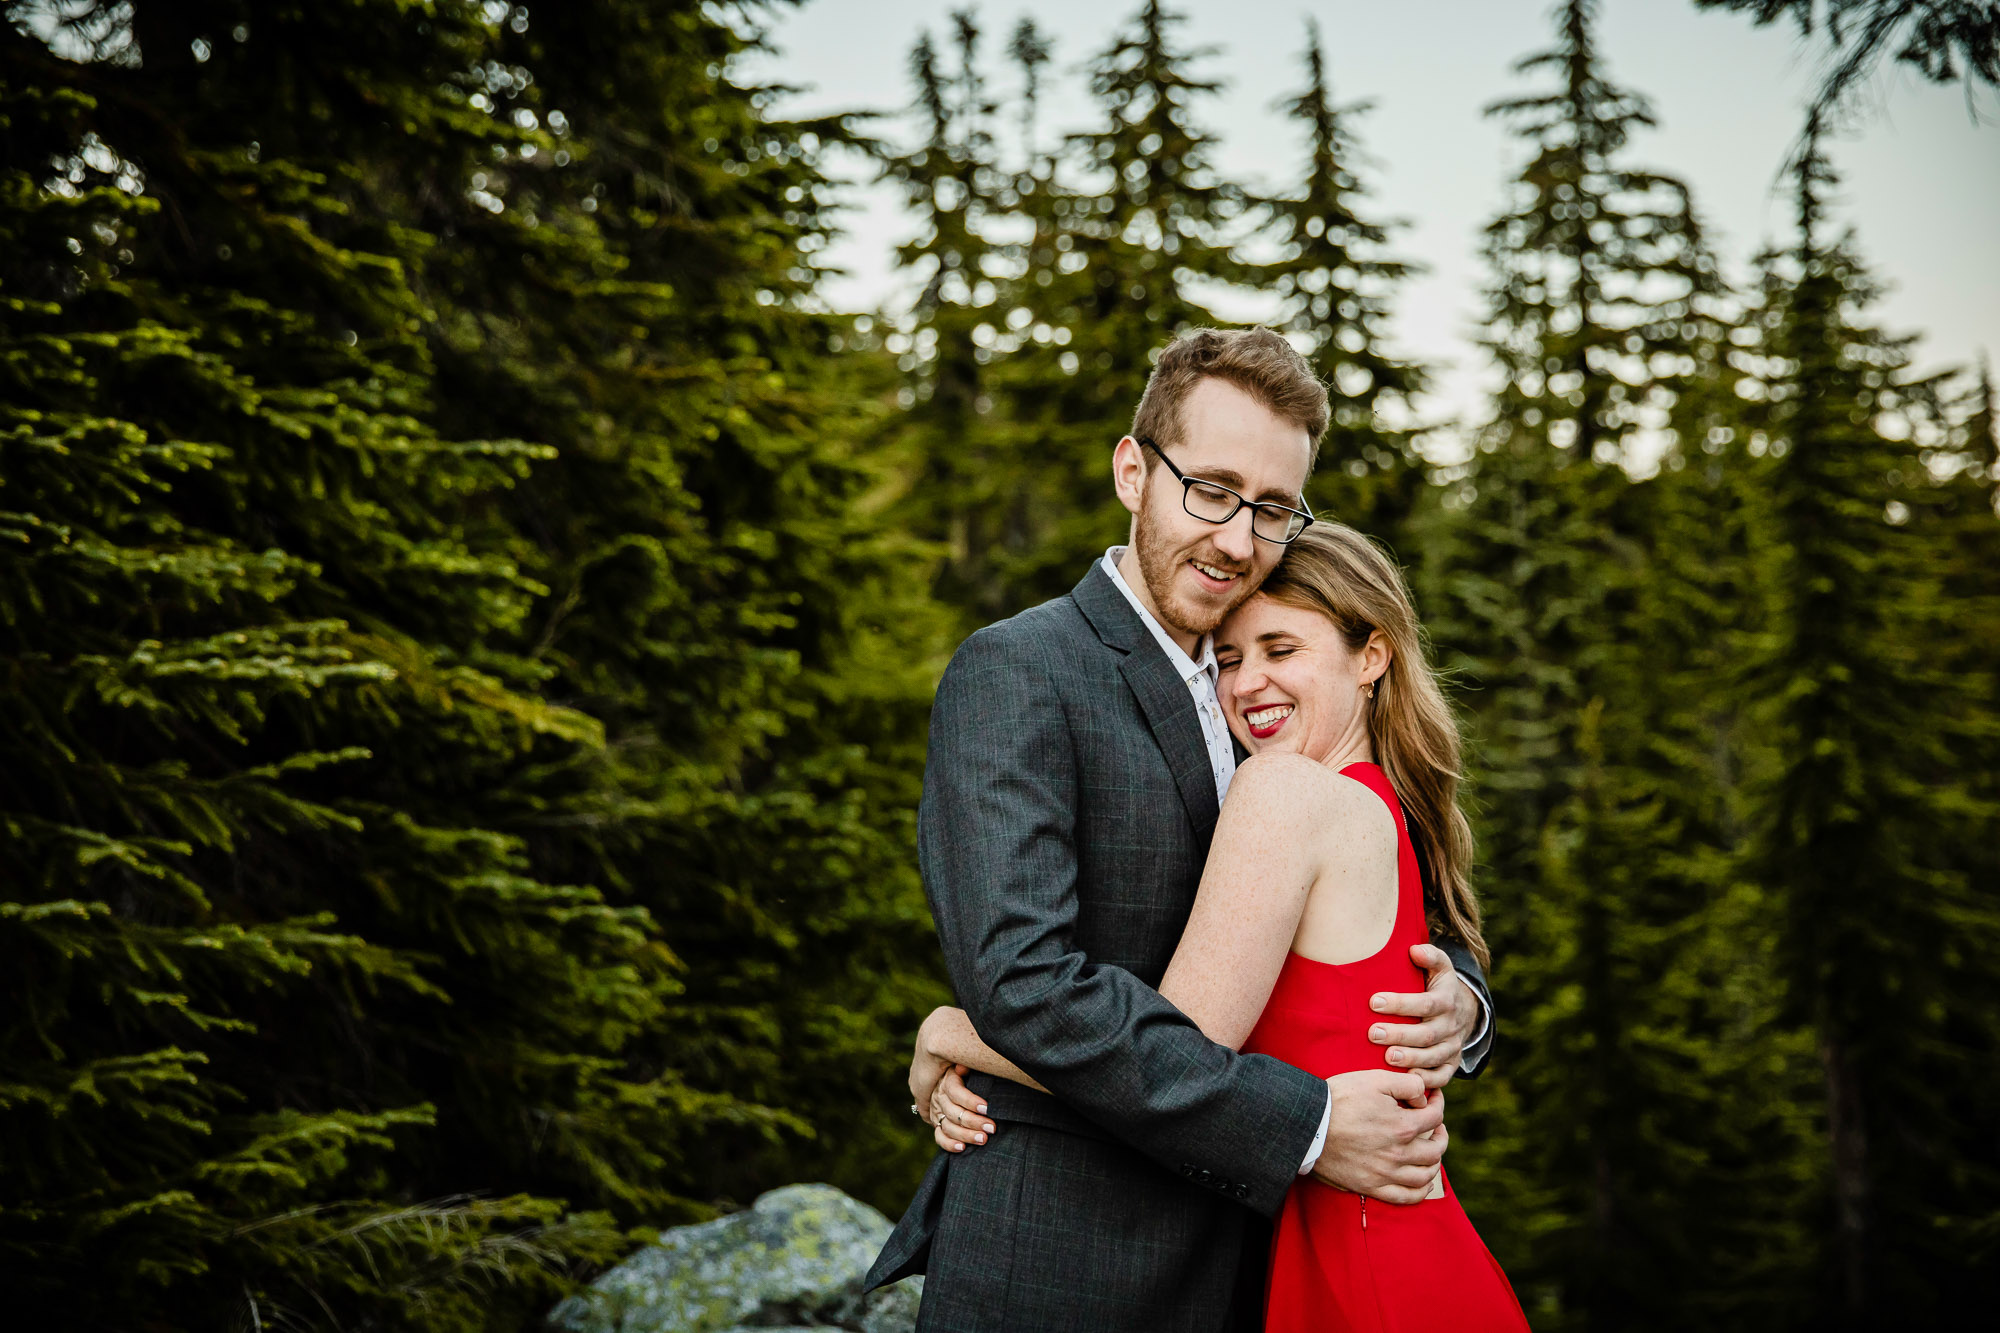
[[1188, 668]]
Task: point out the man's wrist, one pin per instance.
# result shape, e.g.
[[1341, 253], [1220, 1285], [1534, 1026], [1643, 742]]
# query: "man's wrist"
[[1482, 1016], [1319, 1139]]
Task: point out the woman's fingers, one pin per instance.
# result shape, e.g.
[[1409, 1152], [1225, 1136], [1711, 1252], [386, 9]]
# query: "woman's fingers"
[[963, 1098], [954, 1124]]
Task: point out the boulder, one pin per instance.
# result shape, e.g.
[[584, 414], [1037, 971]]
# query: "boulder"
[[794, 1260]]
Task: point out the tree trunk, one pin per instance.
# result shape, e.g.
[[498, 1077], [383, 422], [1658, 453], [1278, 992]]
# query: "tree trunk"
[[1848, 1137]]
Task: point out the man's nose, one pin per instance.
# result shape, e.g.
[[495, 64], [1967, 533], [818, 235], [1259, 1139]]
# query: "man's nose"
[[1235, 540]]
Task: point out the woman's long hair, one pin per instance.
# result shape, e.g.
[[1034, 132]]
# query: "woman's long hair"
[[1336, 571]]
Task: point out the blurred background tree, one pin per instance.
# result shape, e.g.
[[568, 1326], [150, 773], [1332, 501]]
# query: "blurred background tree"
[[468, 611]]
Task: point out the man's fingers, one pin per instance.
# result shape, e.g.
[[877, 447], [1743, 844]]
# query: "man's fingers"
[[1404, 1184], [1428, 1117], [1416, 1036], [1412, 1004], [1437, 1076], [1431, 959]]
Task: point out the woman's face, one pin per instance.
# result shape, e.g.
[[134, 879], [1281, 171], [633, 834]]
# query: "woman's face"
[[1289, 682]]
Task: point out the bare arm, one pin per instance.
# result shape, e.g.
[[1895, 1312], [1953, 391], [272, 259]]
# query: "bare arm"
[[946, 1039], [1278, 831]]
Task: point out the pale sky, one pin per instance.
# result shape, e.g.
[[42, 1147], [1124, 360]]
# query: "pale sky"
[[1921, 180]]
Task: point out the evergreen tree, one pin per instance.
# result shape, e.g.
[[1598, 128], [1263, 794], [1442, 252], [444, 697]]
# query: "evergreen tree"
[[1139, 227], [396, 850], [1945, 40], [756, 640], [954, 187], [1591, 613], [1872, 829], [1335, 284], [271, 935]]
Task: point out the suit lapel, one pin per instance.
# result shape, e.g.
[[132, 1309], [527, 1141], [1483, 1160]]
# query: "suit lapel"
[[1163, 696]]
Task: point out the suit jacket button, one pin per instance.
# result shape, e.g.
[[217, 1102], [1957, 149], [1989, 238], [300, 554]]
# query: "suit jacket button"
[[1242, 1191]]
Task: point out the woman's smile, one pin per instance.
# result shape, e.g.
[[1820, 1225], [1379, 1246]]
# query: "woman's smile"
[[1266, 721]]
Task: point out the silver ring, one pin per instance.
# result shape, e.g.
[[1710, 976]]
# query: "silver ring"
[[915, 1112], [940, 1120]]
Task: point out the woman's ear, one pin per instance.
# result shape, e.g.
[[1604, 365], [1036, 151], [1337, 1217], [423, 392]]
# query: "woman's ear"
[[1376, 654]]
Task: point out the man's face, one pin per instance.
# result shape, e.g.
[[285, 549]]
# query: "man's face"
[[1197, 572]]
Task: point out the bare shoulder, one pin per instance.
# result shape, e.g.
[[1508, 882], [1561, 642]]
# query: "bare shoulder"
[[1277, 780], [1357, 816], [1314, 802]]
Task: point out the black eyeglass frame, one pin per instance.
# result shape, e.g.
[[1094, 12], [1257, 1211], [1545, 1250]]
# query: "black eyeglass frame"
[[1256, 506]]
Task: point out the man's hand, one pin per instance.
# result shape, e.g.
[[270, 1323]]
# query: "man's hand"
[[1385, 1136], [1445, 1013]]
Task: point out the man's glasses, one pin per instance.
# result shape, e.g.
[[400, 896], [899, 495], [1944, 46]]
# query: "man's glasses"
[[1212, 502]]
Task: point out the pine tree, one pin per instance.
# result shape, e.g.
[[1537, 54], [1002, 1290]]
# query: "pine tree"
[[1888, 944], [397, 850], [755, 637], [1335, 284], [954, 186], [1132, 234], [1944, 40], [252, 607], [1590, 612]]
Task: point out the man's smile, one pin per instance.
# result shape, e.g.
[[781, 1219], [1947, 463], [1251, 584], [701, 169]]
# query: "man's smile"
[[1214, 577]]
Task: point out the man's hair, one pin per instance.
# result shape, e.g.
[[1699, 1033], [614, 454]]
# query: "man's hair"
[[1257, 361]]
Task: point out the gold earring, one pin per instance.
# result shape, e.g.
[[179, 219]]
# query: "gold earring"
[[1371, 689]]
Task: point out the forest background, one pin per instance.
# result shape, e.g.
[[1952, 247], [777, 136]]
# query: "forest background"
[[468, 611]]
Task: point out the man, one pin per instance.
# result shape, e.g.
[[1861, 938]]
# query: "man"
[[1078, 760]]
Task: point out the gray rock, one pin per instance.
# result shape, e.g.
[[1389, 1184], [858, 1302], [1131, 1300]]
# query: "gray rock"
[[793, 1262]]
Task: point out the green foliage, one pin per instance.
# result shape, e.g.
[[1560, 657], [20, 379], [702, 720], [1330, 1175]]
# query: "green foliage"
[[1335, 285], [462, 721], [1944, 40], [467, 616], [1872, 833]]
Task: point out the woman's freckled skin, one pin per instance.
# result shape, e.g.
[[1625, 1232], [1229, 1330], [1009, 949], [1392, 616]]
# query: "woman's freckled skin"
[[1273, 654]]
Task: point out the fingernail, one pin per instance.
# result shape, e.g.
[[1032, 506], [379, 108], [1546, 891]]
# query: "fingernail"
[[980, 1137], [989, 1129], [1377, 1033], [958, 1147], [1379, 1002], [982, 1108]]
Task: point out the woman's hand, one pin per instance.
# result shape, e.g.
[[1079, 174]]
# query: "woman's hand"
[[927, 1067], [957, 1115]]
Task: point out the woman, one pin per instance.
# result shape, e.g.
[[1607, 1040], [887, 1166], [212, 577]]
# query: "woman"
[[1309, 904]]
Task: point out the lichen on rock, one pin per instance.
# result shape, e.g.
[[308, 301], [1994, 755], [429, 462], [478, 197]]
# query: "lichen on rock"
[[795, 1259]]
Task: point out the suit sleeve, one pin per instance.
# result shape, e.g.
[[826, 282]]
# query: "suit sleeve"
[[997, 843], [1472, 975]]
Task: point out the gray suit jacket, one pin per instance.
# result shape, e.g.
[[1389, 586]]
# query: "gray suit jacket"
[[1067, 811]]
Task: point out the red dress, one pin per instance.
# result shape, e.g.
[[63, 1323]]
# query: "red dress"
[[1339, 1260]]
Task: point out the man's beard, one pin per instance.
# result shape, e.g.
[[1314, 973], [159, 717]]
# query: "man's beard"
[[1161, 565]]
